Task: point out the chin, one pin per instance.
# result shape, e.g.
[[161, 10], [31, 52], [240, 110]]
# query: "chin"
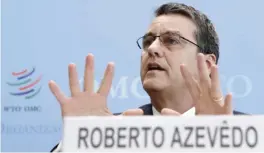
[[153, 85]]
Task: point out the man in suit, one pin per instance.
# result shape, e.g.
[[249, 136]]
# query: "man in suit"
[[180, 52]]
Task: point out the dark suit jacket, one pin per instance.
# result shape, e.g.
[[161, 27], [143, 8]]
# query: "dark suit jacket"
[[147, 109]]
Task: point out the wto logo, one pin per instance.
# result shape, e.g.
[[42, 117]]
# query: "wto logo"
[[25, 85]]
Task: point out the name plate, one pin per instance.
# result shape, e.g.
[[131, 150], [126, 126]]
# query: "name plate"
[[164, 134]]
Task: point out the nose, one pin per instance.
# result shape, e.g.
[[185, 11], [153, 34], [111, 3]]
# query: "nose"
[[155, 49]]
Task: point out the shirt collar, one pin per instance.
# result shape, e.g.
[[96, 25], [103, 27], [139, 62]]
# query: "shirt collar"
[[190, 112]]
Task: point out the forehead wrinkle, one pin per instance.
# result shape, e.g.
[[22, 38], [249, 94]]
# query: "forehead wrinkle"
[[159, 28], [155, 28]]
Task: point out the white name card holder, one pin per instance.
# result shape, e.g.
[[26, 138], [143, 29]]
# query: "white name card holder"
[[164, 134]]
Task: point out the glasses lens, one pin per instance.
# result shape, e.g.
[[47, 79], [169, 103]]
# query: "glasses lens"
[[170, 39], [147, 41]]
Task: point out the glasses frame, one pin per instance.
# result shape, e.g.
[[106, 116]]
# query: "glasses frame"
[[158, 36]]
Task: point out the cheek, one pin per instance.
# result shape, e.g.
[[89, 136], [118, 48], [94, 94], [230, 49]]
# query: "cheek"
[[174, 60], [143, 55], [191, 63], [143, 60]]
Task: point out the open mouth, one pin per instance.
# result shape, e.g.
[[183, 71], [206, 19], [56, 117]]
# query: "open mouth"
[[154, 66]]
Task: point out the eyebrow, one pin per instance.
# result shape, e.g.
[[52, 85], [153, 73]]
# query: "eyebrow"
[[149, 34], [166, 32]]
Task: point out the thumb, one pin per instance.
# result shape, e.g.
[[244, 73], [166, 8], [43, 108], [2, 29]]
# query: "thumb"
[[132, 112], [168, 112]]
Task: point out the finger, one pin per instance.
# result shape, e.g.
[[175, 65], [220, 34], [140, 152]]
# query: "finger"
[[73, 80], [89, 74], [190, 82], [216, 92], [61, 98], [203, 71], [168, 112], [133, 112], [228, 104], [107, 80]]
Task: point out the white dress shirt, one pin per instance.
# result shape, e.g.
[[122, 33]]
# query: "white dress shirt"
[[190, 112]]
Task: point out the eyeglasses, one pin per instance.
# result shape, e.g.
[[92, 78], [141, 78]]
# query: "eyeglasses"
[[168, 39]]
